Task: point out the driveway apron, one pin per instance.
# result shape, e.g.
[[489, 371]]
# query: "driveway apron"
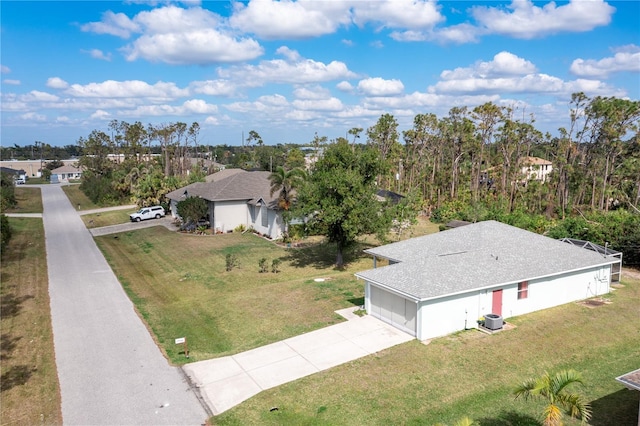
[[110, 370]]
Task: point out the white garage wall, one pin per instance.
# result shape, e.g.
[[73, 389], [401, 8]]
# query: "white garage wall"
[[447, 315], [229, 214]]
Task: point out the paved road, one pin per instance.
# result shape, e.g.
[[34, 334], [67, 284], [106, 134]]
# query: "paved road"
[[110, 370]]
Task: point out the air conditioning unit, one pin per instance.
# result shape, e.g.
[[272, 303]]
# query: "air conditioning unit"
[[493, 322]]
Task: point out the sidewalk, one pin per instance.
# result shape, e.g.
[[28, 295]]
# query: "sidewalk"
[[228, 381]]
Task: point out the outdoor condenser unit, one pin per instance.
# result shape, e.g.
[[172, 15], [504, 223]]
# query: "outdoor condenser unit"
[[493, 321]]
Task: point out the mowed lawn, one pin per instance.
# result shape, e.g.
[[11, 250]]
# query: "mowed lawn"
[[115, 217], [29, 200], [471, 374], [29, 391], [180, 286]]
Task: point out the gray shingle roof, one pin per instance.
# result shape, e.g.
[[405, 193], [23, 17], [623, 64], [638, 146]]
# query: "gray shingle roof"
[[231, 186], [480, 255]]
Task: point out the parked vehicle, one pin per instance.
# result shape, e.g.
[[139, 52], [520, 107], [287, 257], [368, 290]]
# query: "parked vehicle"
[[20, 180], [155, 212]]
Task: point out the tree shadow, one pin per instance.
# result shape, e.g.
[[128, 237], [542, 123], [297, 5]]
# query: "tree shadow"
[[509, 418], [7, 345], [356, 301], [323, 255], [15, 376], [616, 409], [11, 305]]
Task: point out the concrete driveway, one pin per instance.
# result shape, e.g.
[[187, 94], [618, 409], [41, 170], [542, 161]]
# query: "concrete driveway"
[[226, 382], [110, 370]]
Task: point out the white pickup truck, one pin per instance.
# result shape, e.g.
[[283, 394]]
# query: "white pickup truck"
[[155, 212]]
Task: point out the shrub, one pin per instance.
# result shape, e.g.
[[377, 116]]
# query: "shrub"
[[231, 261], [239, 228], [5, 229], [262, 263], [274, 266]]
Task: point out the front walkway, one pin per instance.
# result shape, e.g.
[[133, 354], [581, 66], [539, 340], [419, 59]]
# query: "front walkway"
[[228, 381]]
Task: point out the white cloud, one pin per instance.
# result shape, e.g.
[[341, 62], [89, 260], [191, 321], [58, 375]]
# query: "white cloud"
[[315, 92], [37, 96], [525, 20], [98, 54], [300, 71], [198, 106], [409, 14], [273, 100], [625, 59], [331, 104], [380, 87], [11, 82], [100, 115], [224, 88], [63, 119], [503, 64], [127, 89], [176, 35], [290, 19], [116, 24], [345, 86], [4, 69], [57, 83], [32, 116]]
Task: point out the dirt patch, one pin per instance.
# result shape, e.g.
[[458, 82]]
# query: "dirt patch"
[[633, 273], [594, 303]]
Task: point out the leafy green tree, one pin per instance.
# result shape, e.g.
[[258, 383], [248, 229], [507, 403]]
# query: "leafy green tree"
[[5, 230], [7, 192], [192, 209], [553, 390], [339, 196]]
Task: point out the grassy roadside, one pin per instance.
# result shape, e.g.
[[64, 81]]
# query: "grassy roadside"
[[96, 220], [29, 200], [30, 391], [471, 374], [77, 198]]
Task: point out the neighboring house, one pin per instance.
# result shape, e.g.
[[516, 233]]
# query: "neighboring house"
[[534, 168], [442, 283], [236, 197], [15, 173], [631, 381], [66, 173]]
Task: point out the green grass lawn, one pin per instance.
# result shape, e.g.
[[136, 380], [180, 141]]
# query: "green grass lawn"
[[29, 200], [77, 197], [180, 285], [30, 392], [471, 374], [96, 220]]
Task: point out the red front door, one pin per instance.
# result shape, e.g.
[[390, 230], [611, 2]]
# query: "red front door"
[[497, 302]]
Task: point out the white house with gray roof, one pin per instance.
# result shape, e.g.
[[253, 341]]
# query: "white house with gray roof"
[[441, 283], [236, 197]]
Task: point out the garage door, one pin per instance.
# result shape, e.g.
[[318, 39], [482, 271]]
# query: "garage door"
[[393, 309]]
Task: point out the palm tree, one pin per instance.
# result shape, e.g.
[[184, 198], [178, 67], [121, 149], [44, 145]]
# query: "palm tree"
[[285, 182], [552, 389]]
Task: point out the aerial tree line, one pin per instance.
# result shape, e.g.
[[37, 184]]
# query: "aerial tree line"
[[465, 165]]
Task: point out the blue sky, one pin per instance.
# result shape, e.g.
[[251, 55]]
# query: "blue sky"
[[291, 69]]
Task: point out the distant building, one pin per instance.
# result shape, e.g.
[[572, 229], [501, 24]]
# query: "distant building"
[[67, 173], [534, 168]]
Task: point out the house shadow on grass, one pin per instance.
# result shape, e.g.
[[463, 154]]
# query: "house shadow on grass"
[[509, 418], [616, 409]]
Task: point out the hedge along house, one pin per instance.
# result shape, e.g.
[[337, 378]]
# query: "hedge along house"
[[235, 197], [442, 283]]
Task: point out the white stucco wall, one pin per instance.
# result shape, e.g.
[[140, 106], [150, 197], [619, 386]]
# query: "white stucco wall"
[[227, 215], [449, 314]]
